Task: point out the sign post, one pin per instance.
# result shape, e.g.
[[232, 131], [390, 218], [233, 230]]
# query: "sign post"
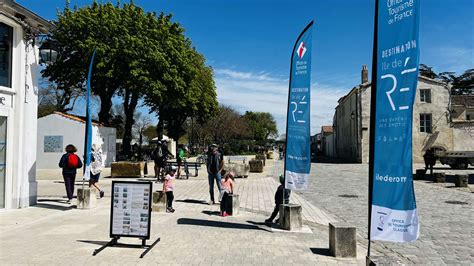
[[130, 214], [392, 207]]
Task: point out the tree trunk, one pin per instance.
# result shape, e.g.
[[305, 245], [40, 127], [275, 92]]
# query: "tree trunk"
[[105, 106], [130, 104], [159, 129]]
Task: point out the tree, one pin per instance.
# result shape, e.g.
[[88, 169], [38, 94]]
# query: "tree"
[[142, 122], [462, 84], [427, 71], [262, 125]]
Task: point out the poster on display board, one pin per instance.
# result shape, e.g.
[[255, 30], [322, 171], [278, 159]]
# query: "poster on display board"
[[131, 209]]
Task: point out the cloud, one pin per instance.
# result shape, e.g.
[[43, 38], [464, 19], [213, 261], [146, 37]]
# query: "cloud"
[[450, 58], [264, 92]]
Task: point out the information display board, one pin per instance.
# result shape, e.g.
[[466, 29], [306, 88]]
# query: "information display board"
[[131, 209]]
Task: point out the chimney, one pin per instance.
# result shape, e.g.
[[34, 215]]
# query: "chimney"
[[365, 74]]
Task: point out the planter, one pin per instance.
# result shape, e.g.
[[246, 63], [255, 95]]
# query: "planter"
[[239, 169], [127, 169], [256, 166], [261, 157]]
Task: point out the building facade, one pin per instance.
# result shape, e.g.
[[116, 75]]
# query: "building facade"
[[57, 130], [434, 125], [19, 61]]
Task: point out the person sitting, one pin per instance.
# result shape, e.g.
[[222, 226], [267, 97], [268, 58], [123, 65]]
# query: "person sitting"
[[279, 199]]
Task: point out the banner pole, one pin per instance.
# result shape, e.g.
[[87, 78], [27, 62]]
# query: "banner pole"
[[373, 102]]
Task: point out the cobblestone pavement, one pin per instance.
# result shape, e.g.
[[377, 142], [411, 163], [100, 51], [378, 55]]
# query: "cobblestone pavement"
[[54, 233], [446, 229]]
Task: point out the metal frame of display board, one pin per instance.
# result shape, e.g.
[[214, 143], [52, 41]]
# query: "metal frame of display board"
[[115, 237]]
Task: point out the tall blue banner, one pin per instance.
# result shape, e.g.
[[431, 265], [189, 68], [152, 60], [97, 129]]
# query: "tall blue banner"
[[298, 142], [88, 134], [394, 215]]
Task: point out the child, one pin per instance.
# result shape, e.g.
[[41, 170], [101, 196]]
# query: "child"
[[168, 187], [279, 200], [96, 168], [227, 185]]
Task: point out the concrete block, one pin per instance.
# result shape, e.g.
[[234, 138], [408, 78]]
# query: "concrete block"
[[86, 198], [256, 166], [128, 169], [342, 240], [439, 177], [420, 174], [158, 201], [239, 169], [461, 180], [290, 216], [234, 204]]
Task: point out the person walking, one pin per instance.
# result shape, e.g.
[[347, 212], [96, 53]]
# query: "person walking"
[[180, 158], [96, 168], [227, 186], [279, 199], [168, 187], [70, 162], [215, 164]]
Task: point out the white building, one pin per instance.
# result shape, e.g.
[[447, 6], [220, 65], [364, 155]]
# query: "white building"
[[57, 130], [19, 60]]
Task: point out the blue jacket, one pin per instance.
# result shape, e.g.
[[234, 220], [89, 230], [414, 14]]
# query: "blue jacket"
[[66, 169]]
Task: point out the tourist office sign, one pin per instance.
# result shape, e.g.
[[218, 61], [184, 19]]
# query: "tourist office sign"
[[298, 142], [393, 214]]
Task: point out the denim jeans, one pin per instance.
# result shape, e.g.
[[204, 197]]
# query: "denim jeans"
[[211, 177]]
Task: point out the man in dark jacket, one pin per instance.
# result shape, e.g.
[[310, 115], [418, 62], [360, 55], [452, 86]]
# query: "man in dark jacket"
[[215, 164], [70, 162], [279, 200]]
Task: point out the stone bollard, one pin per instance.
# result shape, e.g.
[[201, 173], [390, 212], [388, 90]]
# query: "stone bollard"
[[342, 240], [439, 177], [420, 174], [461, 180], [290, 216], [158, 203], [234, 204], [256, 166], [86, 198]]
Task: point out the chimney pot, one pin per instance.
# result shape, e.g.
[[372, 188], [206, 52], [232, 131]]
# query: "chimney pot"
[[364, 75]]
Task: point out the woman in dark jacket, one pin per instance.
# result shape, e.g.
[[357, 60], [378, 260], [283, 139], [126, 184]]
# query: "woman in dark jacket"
[[70, 162]]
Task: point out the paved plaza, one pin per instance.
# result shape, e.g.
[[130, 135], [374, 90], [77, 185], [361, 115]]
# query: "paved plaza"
[[55, 233]]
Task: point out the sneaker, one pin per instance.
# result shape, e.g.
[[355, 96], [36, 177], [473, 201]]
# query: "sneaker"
[[168, 210], [225, 214], [101, 193], [172, 210]]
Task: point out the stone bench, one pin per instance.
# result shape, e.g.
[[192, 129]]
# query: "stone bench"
[[290, 216], [256, 166], [439, 177], [127, 169], [86, 198], [158, 202], [461, 180], [342, 240]]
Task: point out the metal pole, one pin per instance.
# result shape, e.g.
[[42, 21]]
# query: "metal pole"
[[373, 102]]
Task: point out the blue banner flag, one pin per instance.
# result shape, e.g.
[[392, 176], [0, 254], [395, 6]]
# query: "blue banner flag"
[[394, 215], [88, 134], [298, 141]]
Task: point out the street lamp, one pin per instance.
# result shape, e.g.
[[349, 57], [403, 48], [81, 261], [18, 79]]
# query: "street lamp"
[[48, 53]]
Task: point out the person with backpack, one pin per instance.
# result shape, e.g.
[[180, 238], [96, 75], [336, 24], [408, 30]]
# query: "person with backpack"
[[96, 168], [215, 164], [70, 162]]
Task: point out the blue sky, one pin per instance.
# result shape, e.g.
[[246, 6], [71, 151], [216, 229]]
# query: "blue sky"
[[248, 44]]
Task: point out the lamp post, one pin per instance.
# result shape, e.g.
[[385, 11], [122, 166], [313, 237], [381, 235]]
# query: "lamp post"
[[48, 53]]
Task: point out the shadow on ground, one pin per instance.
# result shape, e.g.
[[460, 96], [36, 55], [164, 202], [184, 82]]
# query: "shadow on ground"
[[53, 204], [193, 201], [201, 222], [321, 251]]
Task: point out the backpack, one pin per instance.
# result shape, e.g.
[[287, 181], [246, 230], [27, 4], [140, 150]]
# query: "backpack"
[[72, 161], [214, 162], [157, 153]]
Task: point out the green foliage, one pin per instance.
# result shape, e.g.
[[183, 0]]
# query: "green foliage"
[[262, 125], [462, 84]]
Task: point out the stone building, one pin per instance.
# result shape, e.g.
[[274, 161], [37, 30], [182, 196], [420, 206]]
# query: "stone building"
[[19, 28], [439, 120]]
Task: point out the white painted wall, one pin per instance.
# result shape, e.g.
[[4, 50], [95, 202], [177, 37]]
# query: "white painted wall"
[[73, 132]]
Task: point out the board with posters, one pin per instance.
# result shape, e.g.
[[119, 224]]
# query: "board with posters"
[[131, 209]]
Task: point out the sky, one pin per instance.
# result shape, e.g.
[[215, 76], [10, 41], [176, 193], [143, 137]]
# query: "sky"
[[248, 43]]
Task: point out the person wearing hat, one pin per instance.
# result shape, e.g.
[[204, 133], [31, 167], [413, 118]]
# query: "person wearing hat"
[[168, 187], [279, 199], [215, 164]]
